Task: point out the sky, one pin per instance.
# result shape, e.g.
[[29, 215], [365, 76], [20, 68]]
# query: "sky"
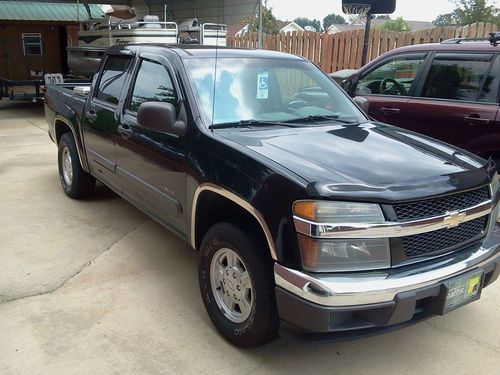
[[412, 10]]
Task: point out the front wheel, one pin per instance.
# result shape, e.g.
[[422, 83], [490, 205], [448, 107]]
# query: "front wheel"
[[237, 286]]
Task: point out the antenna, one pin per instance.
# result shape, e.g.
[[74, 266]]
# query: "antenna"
[[216, 60]]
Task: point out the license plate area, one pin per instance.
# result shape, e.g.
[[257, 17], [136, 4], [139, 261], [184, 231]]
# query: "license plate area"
[[462, 290]]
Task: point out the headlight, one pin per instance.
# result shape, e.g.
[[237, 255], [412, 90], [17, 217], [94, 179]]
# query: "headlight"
[[344, 255], [340, 255], [495, 185], [338, 212]]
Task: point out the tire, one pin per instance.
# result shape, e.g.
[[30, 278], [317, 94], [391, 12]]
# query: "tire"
[[75, 182], [260, 324]]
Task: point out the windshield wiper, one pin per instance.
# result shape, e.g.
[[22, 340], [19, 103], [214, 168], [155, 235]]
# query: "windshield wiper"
[[314, 118], [250, 123]]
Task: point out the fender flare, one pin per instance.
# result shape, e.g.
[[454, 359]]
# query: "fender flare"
[[77, 141], [238, 201]]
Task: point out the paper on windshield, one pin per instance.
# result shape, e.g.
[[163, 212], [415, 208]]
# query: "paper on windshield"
[[263, 85]]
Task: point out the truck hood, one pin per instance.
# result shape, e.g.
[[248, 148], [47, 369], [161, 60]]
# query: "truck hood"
[[368, 161]]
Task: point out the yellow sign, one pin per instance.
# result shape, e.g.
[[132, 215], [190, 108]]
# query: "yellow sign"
[[473, 284]]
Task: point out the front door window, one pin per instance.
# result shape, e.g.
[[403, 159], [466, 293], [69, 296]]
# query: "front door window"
[[395, 77]]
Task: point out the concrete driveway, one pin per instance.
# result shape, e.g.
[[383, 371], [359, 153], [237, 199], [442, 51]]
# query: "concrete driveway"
[[96, 287]]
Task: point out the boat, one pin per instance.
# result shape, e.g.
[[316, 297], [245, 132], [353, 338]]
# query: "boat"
[[120, 26], [192, 31]]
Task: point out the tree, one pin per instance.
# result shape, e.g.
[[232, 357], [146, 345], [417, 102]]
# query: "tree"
[[383, 17], [444, 20], [472, 11], [399, 25], [303, 22], [333, 19], [269, 24]]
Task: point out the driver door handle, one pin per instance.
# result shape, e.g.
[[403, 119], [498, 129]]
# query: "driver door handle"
[[388, 110], [476, 120], [125, 131]]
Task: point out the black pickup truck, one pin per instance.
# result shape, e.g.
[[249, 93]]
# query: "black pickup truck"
[[308, 216]]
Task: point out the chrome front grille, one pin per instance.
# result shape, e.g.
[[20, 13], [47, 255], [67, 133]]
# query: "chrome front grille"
[[439, 206], [443, 239]]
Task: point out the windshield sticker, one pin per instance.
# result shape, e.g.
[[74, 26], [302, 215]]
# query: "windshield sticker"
[[263, 86]]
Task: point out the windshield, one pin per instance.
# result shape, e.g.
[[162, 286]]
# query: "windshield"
[[277, 90]]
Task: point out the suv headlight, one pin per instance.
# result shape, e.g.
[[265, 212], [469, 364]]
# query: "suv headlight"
[[495, 186], [340, 255]]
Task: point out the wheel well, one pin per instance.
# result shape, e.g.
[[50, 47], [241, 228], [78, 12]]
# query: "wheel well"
[[213, 208], [61, 128]]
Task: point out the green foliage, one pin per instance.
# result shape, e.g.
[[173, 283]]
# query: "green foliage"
[[383, 17], [303, 22], [470, 11], [444, 20], [333, 19], [269, 24], [398, 25]]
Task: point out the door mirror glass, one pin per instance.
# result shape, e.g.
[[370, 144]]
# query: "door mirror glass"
[[362, 103], [160, 117], [395, 77]]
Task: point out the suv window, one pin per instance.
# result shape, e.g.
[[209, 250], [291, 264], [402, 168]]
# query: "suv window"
[[489, 93], [457, 76], [395, 77], [152, 84], [112, 79]]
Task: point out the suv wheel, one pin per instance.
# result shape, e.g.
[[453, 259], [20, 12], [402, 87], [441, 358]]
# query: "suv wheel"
[[237, 286], [75, 181]]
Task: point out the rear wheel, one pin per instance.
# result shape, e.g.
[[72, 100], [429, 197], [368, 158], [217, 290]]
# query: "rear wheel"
[[237, 286], [75, 181]]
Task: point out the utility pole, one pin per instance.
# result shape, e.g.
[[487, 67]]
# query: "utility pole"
[[367, 37], [260, 24]]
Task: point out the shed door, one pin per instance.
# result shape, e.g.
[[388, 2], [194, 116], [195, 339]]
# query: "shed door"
[[4, 56], [33, 54]]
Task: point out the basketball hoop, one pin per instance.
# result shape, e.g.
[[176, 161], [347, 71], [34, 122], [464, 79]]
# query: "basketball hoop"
[[359, 10], [362, 11]]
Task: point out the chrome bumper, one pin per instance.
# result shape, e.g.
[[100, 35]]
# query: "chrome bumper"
[[342, 290]]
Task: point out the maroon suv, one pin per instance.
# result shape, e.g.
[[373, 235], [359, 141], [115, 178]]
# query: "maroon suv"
[[448, 90]]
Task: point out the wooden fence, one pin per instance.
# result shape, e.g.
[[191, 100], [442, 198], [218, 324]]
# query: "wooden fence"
[[343, 50]]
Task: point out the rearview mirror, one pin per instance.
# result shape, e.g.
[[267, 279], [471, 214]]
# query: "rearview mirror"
[[362, 103], [160, 117]]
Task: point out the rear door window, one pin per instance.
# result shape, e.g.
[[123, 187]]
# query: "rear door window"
[[395, 77], [457, 76], [152, 84], [489, 92], [112, 79]]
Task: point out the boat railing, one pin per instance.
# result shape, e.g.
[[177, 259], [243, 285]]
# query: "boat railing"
[[144, 25], [214, 27]]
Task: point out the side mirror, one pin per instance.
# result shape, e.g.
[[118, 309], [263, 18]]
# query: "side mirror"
[[362, 103], [160, 117]]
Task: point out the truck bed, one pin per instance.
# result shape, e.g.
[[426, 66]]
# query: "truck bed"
[[62, 99]]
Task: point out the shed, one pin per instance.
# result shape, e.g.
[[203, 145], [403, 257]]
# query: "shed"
[[34, 36]]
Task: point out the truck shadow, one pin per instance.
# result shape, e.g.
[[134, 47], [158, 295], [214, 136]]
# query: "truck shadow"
[[176, 264]]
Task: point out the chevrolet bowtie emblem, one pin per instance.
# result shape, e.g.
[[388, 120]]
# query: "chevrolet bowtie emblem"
[[454, 219]]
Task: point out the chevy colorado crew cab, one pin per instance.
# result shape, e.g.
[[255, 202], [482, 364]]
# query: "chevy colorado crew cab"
[[308, 216]]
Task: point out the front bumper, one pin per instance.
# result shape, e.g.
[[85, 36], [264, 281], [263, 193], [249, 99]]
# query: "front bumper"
[[371, 302]]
